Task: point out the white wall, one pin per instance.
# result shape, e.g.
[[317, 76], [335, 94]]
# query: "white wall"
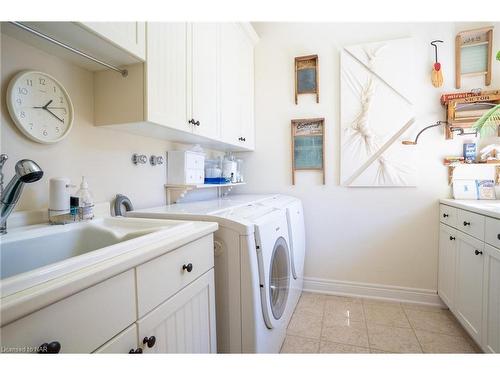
[[102, 155], [367, 235]]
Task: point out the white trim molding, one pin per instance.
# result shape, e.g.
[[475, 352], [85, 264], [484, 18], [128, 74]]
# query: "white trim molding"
[[375, 291]]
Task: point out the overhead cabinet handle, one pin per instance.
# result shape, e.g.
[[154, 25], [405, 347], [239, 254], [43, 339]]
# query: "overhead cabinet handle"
[[452, 238], [466, 223], [477, 252], [446, 215]]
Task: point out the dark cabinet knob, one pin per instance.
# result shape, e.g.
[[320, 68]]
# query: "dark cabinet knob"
[[242, 139], [187, 267], [149, 341], [466, 223], [191, 121], [446, 215], [197, 123], [498, 236], [452, 238], [136, 351], [477, 252], [49, 348]]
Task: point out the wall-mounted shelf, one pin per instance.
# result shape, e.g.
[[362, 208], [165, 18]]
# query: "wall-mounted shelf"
[[452, 167], [176, 192]]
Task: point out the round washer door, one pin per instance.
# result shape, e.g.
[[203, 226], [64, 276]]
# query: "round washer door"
[[279, 278]]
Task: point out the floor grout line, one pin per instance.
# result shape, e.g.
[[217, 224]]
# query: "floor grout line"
[[413, 330]]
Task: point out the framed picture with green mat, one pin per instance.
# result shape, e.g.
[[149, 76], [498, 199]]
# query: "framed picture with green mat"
[[308, 146]]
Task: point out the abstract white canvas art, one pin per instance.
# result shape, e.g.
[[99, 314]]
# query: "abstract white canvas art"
[[376, 111]]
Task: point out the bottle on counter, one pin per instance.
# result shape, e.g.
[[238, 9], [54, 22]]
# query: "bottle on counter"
[[85, 201]]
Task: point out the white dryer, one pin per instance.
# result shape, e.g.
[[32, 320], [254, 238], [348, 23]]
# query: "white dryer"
[[252, 271], [296, 231]]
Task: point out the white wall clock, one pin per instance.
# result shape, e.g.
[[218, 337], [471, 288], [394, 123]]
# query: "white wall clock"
[[40, 106]]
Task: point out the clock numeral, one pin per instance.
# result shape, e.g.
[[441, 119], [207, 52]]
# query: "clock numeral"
[[57, 129], [22, 114], [23, 91], [44, 132], [31, 125], [19, 101], [54, 89], [41, 81], [61, 101], [29, 82]]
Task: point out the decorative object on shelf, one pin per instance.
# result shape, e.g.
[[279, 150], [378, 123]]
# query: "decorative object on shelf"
[[469, 152], [473, 54], [465, 189], [437, 73], [308, 146], [489, 123], [156, 160], [490, 154], [486, 189], [498, 56], [306, 76], [40, 106], [377, 87], [464, 109], [453, 160]]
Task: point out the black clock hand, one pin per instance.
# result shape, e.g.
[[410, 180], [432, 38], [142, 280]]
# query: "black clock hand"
[[45, 106], [53, 114]]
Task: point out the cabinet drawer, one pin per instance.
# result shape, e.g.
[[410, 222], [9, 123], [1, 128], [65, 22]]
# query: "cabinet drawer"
[[195, 176], [492, 232], [471, 223], [80, 323], [162, 277], [121, 343], [448, 215], [195, 161]]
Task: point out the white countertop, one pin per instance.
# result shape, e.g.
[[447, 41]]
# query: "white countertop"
[[484, 207]]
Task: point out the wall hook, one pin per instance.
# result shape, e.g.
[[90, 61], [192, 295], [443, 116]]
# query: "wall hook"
[[437, 74]]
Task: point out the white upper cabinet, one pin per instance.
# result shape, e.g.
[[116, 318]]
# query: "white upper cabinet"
[[167, 74], [204, 79], [196, 86], [236, 86], [130, 36]]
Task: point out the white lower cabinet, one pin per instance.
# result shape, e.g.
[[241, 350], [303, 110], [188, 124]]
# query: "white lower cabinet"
[[447, 259], [469, 273], [183, 324], [469, 284], [166, 305], [124, 342], [491, 312]]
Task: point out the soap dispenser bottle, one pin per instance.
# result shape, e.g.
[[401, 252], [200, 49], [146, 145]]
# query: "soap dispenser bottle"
[[85, 200]]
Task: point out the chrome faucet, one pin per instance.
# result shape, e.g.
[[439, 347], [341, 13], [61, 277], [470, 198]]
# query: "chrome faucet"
[[27, 171]]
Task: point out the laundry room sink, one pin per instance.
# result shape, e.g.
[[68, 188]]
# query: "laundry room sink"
[[38, 253]]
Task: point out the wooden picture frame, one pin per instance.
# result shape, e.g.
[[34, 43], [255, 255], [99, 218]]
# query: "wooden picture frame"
[[473, 54], [307, 76], [308, 145]]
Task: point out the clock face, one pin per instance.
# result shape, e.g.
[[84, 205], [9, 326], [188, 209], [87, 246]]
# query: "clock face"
[[40, 106]]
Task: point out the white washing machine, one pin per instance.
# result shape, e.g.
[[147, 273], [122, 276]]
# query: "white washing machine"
[[296, 231], [252, 271]]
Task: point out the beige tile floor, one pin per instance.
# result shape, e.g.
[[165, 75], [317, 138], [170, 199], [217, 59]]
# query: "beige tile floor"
[[334, 324]]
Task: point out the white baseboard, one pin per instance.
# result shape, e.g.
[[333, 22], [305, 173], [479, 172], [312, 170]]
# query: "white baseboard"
[[375, 291]]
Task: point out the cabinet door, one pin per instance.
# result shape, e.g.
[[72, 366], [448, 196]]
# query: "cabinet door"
[[447, 260], [184, 323], [230, 83], [130, 36], [469, 284], [236, 86], [247, 95], [167, 74], [122, 343], [491, 307], [204, 78]]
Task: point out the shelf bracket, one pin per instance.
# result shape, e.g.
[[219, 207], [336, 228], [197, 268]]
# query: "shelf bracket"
[[497, 175], [451, 169]]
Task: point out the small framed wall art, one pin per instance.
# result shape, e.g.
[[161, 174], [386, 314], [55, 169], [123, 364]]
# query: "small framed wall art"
[[473, 54], [308, 146], [306, 76]]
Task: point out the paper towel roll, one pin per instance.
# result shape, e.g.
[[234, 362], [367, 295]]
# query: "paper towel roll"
[[59, 194]]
